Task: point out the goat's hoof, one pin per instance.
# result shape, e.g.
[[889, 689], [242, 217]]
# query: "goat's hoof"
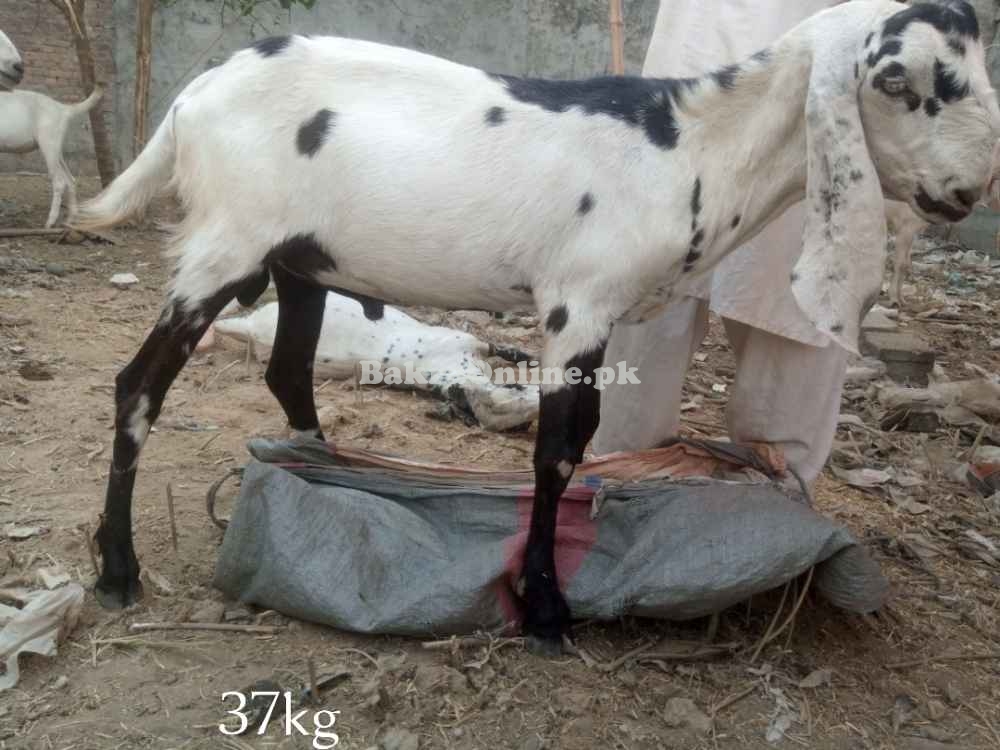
[[118, 595], [547, 648], [546, 617], [118, 592]]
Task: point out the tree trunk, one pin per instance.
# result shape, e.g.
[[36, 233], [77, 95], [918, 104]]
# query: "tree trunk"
[[143, 57], [617, 38], [74, 12]]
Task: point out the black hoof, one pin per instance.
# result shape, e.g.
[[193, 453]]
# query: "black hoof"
[[118, 595], [118, 585], [546, 617], [547, 648]]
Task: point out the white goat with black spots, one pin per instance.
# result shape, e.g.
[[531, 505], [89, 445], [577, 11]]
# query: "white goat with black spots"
[[331, 163], [11, 65]]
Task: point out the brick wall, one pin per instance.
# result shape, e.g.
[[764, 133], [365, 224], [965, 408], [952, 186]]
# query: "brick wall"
[[42, 35]]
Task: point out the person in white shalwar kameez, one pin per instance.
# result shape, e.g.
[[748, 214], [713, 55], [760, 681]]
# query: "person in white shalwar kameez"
[[788, 375]]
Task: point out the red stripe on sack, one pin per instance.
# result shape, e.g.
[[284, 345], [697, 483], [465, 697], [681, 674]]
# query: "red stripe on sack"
[[576, 534]]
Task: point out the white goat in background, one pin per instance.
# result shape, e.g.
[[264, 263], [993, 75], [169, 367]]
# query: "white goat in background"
[[11, 65], [904, 226], [394, 175], [29, 121]]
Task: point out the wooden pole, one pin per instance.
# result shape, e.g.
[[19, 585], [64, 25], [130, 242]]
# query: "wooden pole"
[[143, 57], [75, 13], [617, 38]]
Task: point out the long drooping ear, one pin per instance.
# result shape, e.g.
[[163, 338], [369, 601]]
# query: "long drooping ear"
[[839, 274]]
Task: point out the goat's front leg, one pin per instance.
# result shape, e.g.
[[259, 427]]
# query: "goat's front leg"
[[568, 417], [901, 263], [290, 372], [139, 392]]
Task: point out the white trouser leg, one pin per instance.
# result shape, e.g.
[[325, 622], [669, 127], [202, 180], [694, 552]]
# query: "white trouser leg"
[[787, 394], [635, 417]]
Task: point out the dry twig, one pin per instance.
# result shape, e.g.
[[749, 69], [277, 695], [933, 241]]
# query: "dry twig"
[[138, 627]]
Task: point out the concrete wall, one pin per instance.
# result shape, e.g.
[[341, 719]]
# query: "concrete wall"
[[557, 38], [41, 34]]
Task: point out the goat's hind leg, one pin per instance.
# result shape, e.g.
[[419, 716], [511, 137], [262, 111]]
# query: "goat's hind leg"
[[568, 417], [139, 392], [290, 372]]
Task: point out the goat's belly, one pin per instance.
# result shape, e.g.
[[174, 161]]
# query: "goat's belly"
[[431, 289], [17, 146]]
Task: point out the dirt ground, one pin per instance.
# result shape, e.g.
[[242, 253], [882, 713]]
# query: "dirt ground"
[[65, 332]]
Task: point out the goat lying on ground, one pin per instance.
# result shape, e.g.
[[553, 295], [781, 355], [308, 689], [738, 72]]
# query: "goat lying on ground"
[[11, 65], [403, 177], [30, 121], [443, 361]]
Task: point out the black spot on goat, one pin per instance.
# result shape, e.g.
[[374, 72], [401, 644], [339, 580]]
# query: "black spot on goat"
[[557, 319], [946, 17], [726, 77], [496, 116], [947, 87], [302, 255], [888, 49], [272, 45], [586, 204], [314, 131], [647, 103]]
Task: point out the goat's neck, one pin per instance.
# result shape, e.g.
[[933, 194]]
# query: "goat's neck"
[[748, 147]]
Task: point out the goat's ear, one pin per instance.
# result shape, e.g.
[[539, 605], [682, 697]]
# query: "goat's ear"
[[839, 274]]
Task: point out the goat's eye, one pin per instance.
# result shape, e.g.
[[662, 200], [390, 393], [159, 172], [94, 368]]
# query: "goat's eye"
[[894, 85]]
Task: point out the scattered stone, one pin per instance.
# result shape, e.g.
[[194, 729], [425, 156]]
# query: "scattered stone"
[[908, 359], [210, 612], [20, 533], [902, 711], [56, 269], [937, 734], [534, 742], [683, 713], [16, 349], [60, 682], [816, 678], [994, 343], [571, 701], [238, 614], [35, 371], [919, 743], [877, 320], [953, 694], [372, 431], [157, 582], [396, 738], [124, 280], [431, 678], [11, 321], [865, 370], [53, 577]]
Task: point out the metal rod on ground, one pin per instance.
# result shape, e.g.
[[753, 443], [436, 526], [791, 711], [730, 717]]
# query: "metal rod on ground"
[[170, 511], [617, 38]]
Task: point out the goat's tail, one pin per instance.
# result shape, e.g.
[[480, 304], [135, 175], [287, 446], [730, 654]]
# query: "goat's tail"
[[81, 108], [134, 189]]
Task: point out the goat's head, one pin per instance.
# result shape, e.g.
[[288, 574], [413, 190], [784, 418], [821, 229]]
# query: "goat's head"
[[11, 66], [899, 104], [929, 111]]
